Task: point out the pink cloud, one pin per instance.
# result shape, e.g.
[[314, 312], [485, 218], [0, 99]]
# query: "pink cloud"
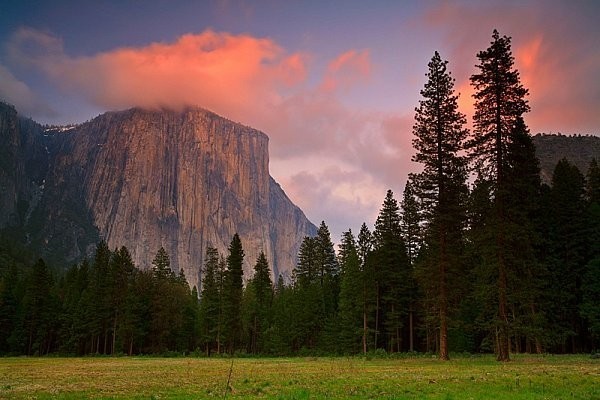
[[338, 194], [555, 60], [229, 74], [256, 82], [347, 69]]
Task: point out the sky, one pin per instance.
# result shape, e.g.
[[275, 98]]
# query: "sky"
[[334, 84]]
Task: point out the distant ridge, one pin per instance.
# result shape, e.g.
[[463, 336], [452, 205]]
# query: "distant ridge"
[[578, 149]]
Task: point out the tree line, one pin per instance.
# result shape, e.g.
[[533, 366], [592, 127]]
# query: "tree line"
[[479, 256]]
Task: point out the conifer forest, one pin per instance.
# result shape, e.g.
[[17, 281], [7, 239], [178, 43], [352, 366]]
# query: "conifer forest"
[[478, 255]]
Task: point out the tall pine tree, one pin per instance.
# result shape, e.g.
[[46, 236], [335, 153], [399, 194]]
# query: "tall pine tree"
[[499, 104], [439, 142], [210, 306], [392, 276], [234, 287], [350, 314], [261, 287]]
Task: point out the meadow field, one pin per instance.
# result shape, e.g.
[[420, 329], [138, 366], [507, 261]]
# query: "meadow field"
[[480, 377]]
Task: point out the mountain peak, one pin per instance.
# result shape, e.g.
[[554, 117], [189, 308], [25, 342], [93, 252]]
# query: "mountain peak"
[[182, 180]]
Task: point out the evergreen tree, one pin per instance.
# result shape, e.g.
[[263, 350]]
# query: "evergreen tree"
[[328, 270], [97, 302], [306, 271], [233, 293], [590, 304], [121, 271], [282, 336], [365, 250], [439, 142], [569, 247], [412, 233], [392, 276], [411, 222], [161, 265], [526, 275], [136, 320], [499, 104], [308, 304], [351, 296], [40, 309], [170, 299], [209, 300], [9, 304], [261, 288], [365, 244], [210, 309], [593, 182]]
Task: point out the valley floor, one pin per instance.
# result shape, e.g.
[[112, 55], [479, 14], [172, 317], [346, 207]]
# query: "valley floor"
[[464, 377]]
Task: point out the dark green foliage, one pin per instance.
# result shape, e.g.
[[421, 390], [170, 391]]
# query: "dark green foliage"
[[259, 295], [233, 286], [499, 103], [593, 182], [411, 222], [161, 265], [328, 270], [392, 275], [40, 311], [211, 319], [306, 272], [106, 307], [440, 141], [499, 107], [590, 304], [568, 241], [351, 302]]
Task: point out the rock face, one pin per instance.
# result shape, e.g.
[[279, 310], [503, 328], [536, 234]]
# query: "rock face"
[[181, 180], [23, 164], [579, 150]]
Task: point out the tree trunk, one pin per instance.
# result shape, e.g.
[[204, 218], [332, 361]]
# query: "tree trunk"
[[443, 301], [377, 317], [410, 328], [364, 337], [105, 340], [503, 342], [114, 338], [254, 337]]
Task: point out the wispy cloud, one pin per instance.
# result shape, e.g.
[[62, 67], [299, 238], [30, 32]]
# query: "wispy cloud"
[[19, 94]]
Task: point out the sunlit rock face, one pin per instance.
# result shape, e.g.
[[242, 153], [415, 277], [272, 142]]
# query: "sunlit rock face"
[[181, 180]]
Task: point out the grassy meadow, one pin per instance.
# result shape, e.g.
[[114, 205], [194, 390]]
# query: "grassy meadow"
[[526, 377]]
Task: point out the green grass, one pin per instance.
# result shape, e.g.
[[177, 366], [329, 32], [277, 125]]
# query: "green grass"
[[526, 377]]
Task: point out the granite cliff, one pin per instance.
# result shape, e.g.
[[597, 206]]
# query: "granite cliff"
[[144, 179]]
